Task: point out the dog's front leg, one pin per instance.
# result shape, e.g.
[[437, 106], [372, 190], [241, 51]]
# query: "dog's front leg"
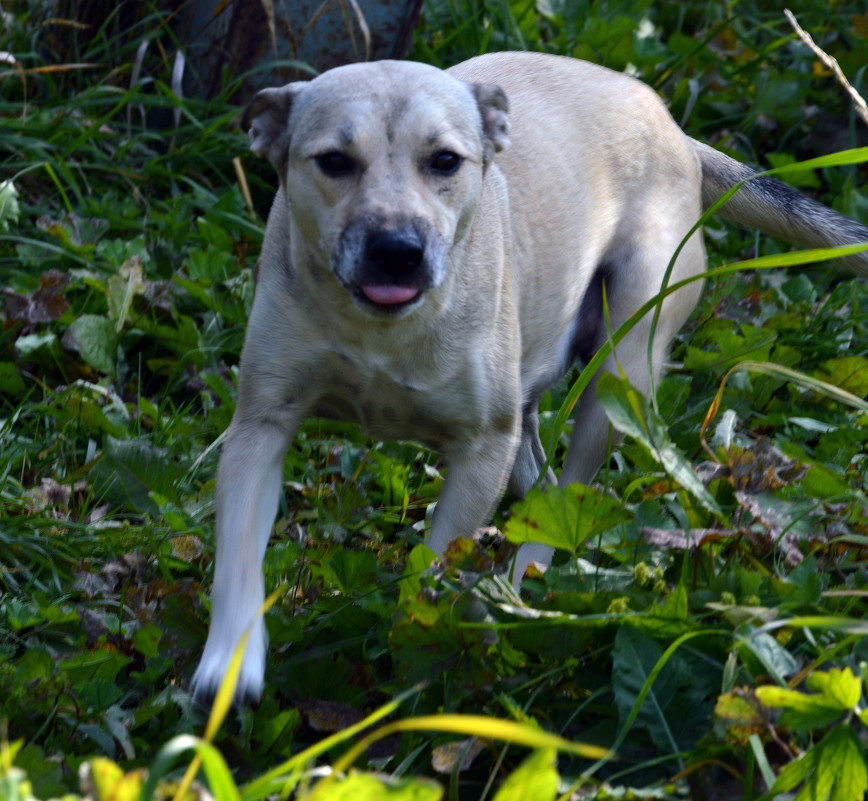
[[476, 478], [248, 490]]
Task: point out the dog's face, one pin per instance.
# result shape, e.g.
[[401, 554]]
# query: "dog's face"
[[382, 165]]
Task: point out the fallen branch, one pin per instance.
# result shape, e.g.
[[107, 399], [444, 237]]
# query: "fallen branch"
[[831, 63]]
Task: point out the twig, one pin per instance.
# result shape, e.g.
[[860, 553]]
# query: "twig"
[[242, 183], [832, 64]]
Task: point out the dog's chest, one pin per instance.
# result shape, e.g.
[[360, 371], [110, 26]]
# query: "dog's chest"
[[390, 403]]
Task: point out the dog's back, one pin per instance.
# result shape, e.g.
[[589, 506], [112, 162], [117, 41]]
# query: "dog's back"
[[603, 186]]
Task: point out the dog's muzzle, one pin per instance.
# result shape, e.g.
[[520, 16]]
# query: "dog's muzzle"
[[396, 258], [388, 268]]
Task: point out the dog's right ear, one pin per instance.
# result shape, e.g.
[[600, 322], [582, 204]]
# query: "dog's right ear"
[[266, 122], [494, 109]]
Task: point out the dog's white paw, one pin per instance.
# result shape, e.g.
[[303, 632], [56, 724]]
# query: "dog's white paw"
[[216, 657]]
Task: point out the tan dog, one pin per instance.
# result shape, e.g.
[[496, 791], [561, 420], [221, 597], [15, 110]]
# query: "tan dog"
[[414, 282]]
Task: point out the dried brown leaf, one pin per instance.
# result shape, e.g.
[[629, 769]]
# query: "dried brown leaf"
[[186, 546], [328, 716], [445, 758], [45, 305], [676, 539], [762, 468], [776, 521]]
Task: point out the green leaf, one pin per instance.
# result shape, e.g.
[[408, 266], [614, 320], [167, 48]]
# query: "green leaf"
[[418, 561], [219, 240], [797, 771], [802, 712], [122, 288], [849, 373], [848, 765], [207, 265], [30, 345], [9, 210], [34, 664], [182, 337], [774, 658], [725, 347], [839, 692], [674, 607], [94, 338], [353, 569], [366, 787], [633, 659], [110, 781], [834, 769], [90, 413], [11, 382], [147, 639], [279, 726], [94, 665], [807, 578], [631, 413], [536, 778], [97, 694], [838, 686], [43, 773], [564, 517], [129, 470], [821, 482]]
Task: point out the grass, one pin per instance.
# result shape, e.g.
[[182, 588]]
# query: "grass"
[[708, 631]]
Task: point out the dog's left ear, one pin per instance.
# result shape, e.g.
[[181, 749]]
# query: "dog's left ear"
[[266, 122], [494, 109]]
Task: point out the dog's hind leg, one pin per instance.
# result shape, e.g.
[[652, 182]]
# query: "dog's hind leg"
[[633, 280], [633, 285], [531, 456], [526, 470]]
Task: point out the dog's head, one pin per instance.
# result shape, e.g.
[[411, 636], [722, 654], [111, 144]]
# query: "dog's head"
[[383, 166]]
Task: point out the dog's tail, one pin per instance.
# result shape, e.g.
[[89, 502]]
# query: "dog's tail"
[[777, 209]]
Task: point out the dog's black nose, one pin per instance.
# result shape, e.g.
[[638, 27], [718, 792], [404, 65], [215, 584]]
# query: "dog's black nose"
[[395, 253]]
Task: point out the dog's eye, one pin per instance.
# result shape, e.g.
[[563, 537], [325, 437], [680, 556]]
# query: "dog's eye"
[[446, 162], [334, 163]]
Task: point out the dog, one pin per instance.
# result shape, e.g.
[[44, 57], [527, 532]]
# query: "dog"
[[436, 256]]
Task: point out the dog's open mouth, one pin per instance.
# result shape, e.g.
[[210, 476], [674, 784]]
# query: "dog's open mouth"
[[389, 298]]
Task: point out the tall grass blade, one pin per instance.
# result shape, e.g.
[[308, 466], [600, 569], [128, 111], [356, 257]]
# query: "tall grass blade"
[[220, 779], [473, 726], [590, 370], [785, 373], [284, 777]]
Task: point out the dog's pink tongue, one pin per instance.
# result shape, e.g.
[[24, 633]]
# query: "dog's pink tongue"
[[390, 295]]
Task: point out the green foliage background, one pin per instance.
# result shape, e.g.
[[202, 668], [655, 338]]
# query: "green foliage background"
[[127, 254]]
